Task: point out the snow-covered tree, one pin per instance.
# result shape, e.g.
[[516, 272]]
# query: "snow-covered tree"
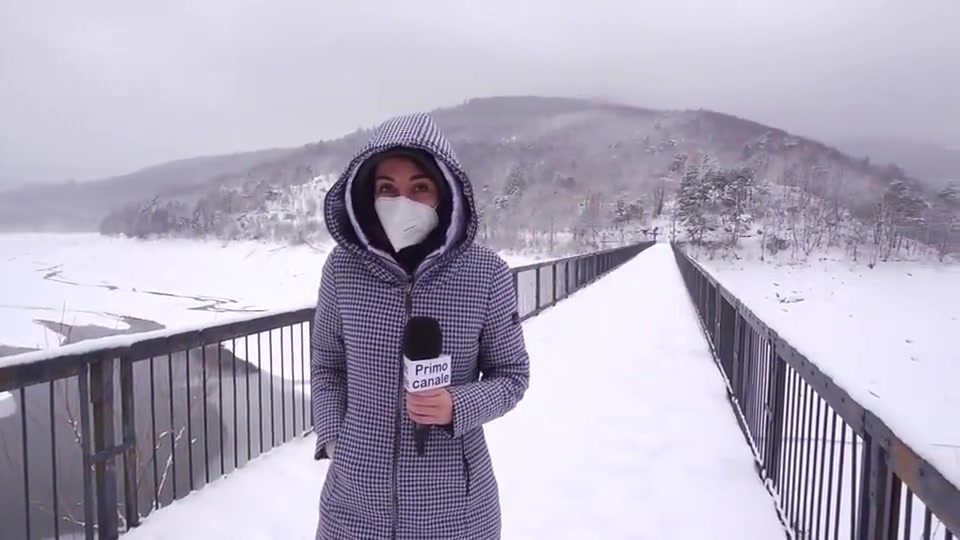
[[944, 222], [735, 201], [693, 201]]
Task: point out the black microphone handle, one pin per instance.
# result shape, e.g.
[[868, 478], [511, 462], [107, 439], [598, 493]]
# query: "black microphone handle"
[[420, 434]]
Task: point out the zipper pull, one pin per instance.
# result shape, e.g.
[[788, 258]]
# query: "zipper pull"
[[408, 300]]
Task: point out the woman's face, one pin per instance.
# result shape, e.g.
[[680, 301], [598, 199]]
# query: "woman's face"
[[401, 177]]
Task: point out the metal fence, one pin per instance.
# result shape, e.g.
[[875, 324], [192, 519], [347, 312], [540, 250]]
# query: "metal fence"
[[104, 432], [834, 468]]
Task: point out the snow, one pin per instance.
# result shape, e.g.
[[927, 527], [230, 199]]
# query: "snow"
[[8, 405], [170, 282], [887, 335], [80, 279], [626, 432]]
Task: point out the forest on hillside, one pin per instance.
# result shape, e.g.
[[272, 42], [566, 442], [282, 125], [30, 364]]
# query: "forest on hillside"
[[560, 175]]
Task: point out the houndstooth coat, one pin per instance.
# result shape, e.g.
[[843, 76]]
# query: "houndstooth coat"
[[376, 486]]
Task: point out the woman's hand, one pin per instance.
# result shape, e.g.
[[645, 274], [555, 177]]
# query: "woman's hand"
[[431, 407], [330, 447]]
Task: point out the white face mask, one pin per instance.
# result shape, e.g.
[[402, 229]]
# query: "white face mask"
[[406, 222]]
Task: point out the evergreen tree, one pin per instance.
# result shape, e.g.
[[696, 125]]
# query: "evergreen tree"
[[735, 202], [692, 204], [944, 221]]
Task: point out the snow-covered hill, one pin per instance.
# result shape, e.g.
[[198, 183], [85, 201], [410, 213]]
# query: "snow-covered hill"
[[540, 166]]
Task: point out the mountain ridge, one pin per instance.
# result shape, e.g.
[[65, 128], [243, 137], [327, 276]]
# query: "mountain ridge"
[[539, 165], [53, 205]]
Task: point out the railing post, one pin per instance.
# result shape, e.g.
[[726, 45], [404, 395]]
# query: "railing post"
[[537, 276], [717, 297], [778, 382], [553, 271], [309, 359], [702, 297], [864, 509], [130, 458], [882, 496], [705, 304], [102, 398], [738, 332], [85, 448], [891, 500]]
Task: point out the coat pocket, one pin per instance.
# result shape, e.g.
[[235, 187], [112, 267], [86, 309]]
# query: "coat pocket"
[[360, 478], [466, 464]]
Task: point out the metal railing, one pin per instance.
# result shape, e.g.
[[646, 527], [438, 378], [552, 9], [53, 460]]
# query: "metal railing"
[[834, 468], [104, 432]]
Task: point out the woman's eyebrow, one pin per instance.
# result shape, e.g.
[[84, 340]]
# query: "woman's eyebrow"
[[419, 176]]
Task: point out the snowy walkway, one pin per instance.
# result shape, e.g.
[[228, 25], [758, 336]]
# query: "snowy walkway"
[[625, 433]]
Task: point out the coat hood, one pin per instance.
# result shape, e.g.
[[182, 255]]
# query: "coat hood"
[[417, 132]]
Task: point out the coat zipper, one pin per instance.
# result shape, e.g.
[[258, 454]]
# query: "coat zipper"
[[408, 309]]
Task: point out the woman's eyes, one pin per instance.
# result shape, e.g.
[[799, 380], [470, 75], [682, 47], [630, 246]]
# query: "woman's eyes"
[[390, 188]]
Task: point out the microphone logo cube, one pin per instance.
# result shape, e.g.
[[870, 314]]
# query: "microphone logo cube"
[[421, 375]]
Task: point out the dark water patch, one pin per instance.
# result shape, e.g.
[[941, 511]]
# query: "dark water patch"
[[217, 307], [10, 350], [53, 274], [75, 333]]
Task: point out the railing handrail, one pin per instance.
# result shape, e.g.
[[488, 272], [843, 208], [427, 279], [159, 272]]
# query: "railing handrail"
[[45, 365], [570, 258], [34, 367], [940, 495]]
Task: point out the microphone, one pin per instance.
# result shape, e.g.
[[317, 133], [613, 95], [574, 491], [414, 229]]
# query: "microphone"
[[425, 367]]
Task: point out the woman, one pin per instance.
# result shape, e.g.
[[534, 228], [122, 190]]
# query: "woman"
[[404, 219]]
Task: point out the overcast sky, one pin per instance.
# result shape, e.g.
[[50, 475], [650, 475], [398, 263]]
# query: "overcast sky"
[[100, 87]]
